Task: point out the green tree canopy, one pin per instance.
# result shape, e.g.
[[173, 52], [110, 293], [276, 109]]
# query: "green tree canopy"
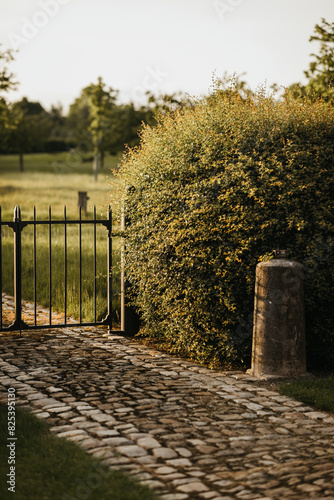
[[7, 83], [92, 117], [31, 127], [320, 74]]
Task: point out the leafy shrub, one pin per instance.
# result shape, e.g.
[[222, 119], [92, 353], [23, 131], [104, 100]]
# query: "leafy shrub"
[[211, 191]]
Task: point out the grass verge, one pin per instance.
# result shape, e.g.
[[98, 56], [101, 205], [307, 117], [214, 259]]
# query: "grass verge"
[[51, 468], [317, 392]]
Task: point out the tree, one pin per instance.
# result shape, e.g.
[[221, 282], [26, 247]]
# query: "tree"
[[163, 104], [58, 121], [31, 127], [4, 124], [128, 119], [101, 106], [61, 136], [126, 123], [92, 118], [78, 120], [320, 74], [99, 124], [7, 83]]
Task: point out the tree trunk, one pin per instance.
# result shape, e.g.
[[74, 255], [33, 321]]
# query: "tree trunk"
[[96, 165], [21, 162]]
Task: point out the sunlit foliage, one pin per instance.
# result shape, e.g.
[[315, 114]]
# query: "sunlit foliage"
[[210, 192]]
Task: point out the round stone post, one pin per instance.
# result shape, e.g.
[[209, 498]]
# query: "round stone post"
[[279, 324]]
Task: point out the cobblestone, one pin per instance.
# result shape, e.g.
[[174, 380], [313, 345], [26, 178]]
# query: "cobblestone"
[[186, 431]]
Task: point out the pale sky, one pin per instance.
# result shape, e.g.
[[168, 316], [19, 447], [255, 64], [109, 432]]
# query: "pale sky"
[[159, 45]]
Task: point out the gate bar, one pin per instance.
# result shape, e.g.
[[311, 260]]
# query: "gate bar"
[[80, 267], [0, 271], [95, 277], [17, 268], [123, 272], [50, 270], [35, 271], [65, 265], [109, 266]]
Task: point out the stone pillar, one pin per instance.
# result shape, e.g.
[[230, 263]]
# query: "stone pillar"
[[279, 324]]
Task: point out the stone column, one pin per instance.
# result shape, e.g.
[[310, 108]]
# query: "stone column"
[[279, 324]]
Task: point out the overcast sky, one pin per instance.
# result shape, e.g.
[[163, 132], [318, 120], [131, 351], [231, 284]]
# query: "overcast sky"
[[158, 45]]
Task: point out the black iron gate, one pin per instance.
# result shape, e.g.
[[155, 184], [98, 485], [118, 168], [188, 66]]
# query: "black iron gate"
[[17, 225]]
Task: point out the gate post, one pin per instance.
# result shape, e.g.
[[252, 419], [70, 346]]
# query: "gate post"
[[17, 267], [130, 321], [109, 292], [122, 273]]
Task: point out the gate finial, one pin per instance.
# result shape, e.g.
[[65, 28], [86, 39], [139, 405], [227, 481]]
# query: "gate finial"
[[17, 213]]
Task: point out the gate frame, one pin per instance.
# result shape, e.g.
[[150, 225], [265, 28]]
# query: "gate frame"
[[17, 226]]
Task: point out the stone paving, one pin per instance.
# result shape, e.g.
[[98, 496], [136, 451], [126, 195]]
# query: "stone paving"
[[186, 431]]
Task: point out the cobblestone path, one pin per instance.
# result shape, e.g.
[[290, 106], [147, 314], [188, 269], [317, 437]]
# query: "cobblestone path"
[[188, 432]]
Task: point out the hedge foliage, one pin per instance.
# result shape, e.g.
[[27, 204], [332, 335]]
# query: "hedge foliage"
[[210, 192]]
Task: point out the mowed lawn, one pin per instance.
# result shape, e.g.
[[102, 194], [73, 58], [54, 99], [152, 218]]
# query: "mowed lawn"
[[54, 180]]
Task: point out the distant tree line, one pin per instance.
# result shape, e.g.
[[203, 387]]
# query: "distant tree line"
[[97, 123]]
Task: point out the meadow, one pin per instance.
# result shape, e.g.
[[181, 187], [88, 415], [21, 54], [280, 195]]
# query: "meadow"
[[53, 180]]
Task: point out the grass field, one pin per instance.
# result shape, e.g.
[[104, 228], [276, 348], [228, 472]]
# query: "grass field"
[[51, 468], [54, 180]]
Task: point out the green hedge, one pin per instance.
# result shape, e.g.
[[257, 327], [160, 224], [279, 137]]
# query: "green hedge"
[[210, 192]]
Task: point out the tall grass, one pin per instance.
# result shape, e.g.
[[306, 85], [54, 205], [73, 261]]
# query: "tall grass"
[[42, 184]]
